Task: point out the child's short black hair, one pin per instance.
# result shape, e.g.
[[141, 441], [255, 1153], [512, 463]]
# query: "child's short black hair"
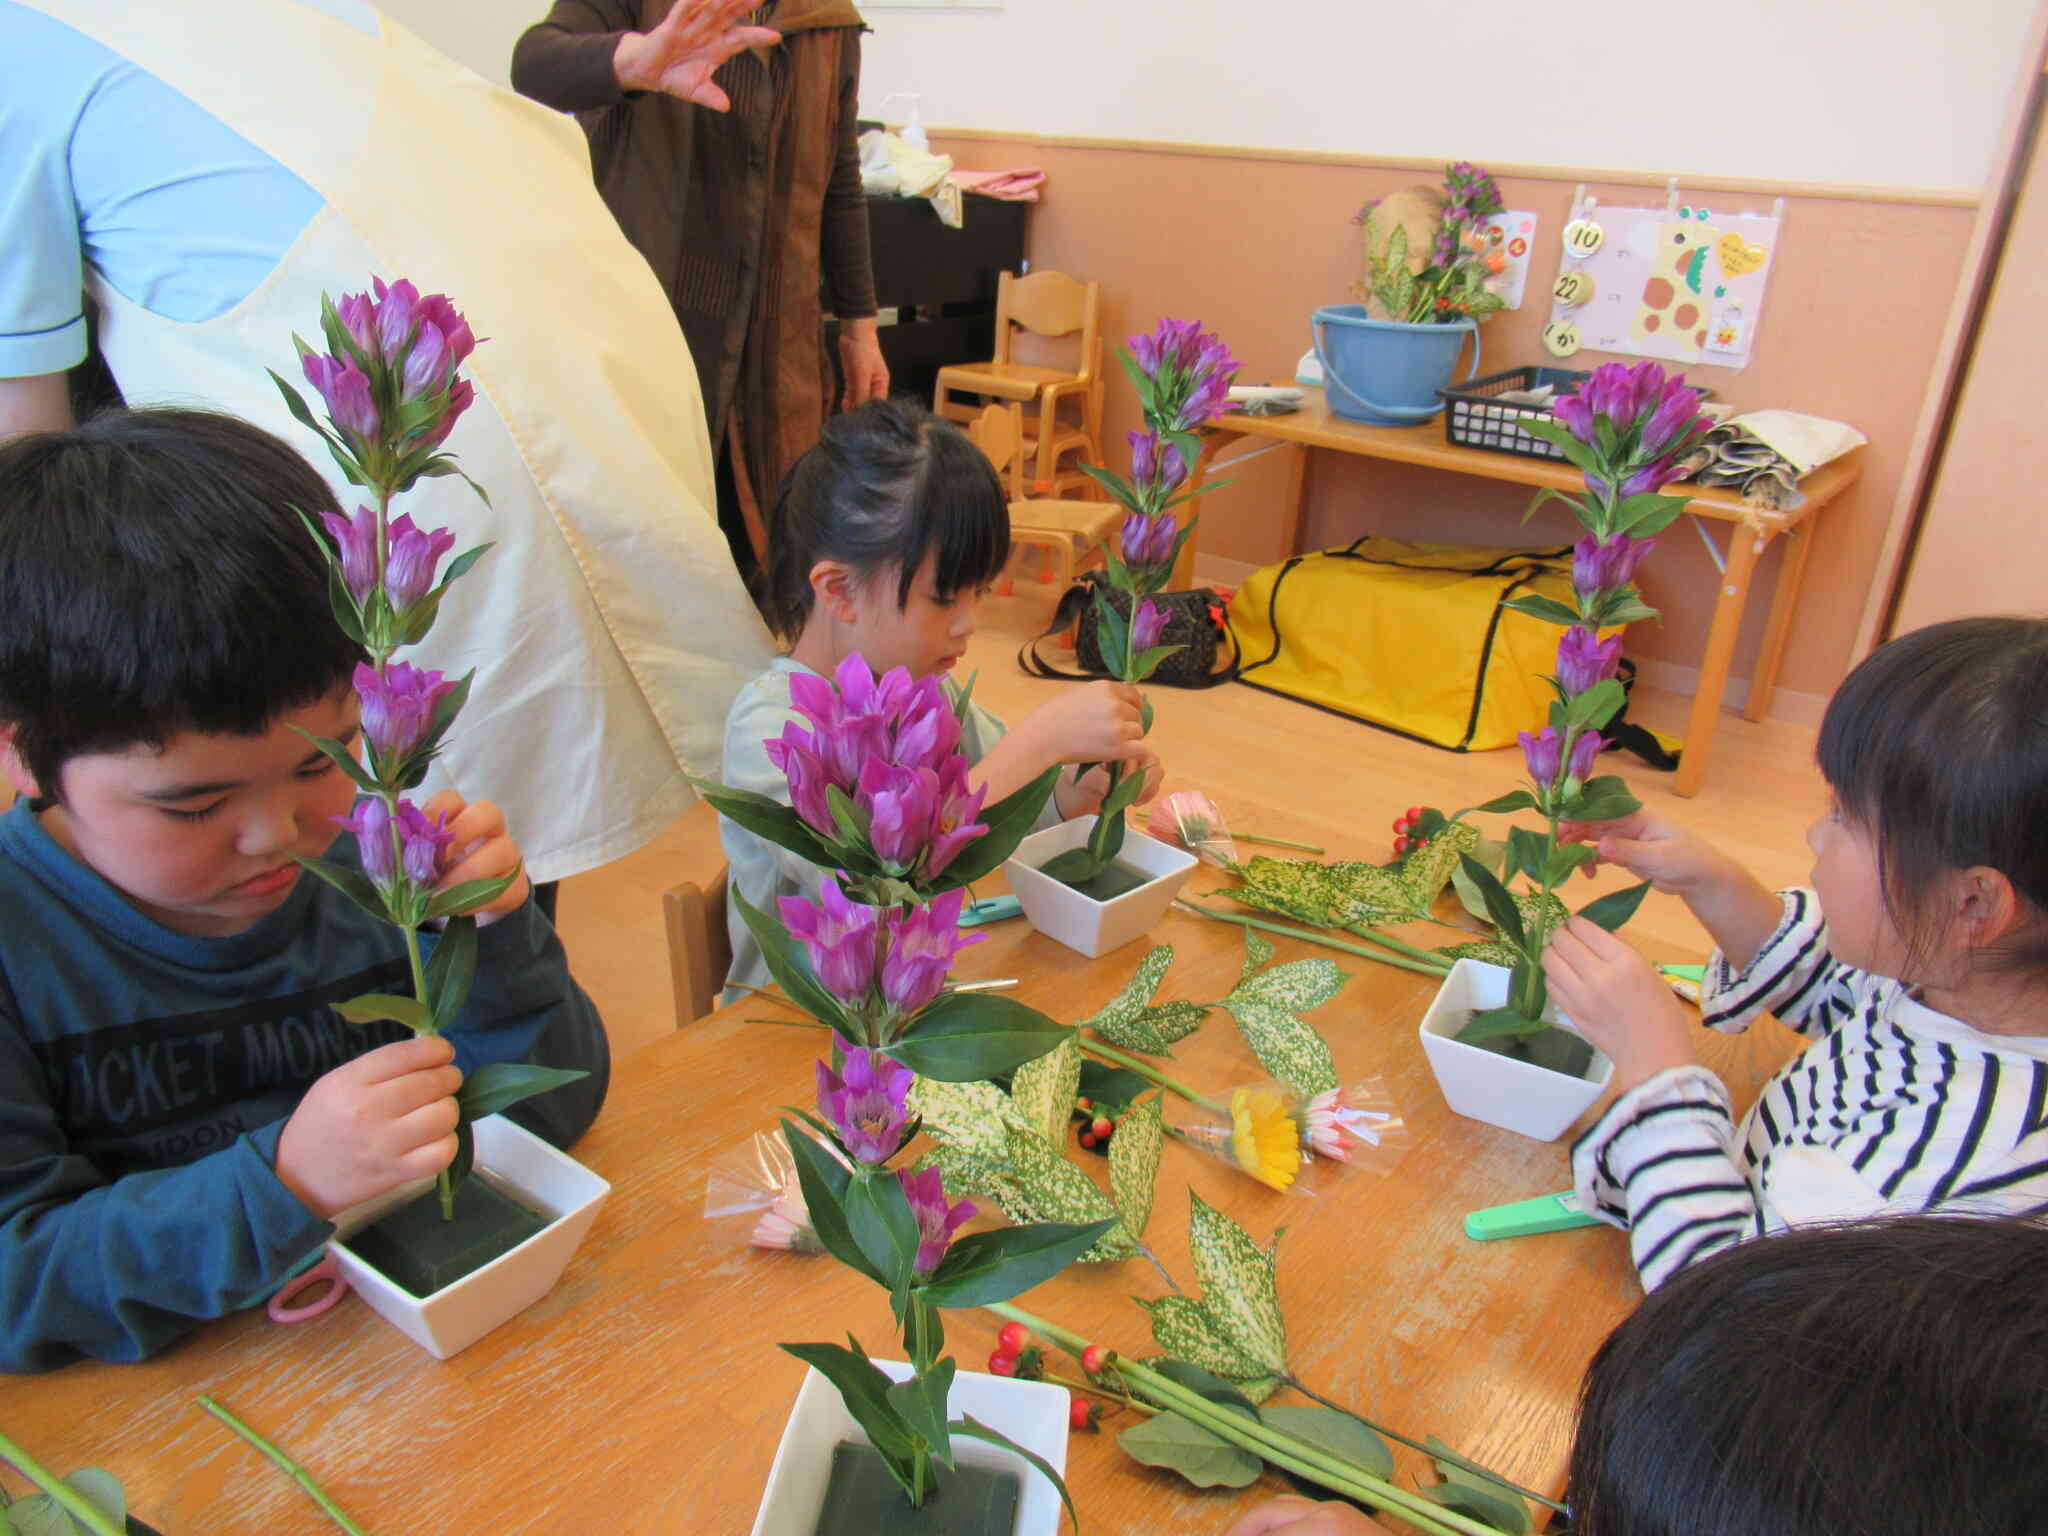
[[155, 577], [885, 486], [1937, 745], [1890, 1376]]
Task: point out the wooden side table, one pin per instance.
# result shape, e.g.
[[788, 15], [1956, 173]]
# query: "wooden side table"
[[1753, 531]]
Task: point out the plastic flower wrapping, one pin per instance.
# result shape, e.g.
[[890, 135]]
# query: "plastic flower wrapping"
[[752, 1191], [1190, 818], [1288, 1141]]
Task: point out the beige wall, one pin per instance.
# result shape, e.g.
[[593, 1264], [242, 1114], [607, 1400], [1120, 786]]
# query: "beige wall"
[[1253, 245]]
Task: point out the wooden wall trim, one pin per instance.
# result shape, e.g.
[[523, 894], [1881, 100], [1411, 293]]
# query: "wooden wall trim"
[[1930, 197], [1980, 267]]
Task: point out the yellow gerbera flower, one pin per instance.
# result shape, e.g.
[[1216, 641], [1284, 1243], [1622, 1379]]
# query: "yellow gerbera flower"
[[1263, 1136]]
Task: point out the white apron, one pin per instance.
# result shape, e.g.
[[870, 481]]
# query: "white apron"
[[608, 626]]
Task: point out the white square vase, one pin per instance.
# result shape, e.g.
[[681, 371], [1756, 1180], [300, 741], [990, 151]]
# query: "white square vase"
[[1032, 1413], [456, 1316], [1081, 922], [1485, 1085]]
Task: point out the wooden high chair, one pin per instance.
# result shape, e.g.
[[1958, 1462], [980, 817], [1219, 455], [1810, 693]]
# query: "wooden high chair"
[[699, 947], [1045, 304], [1066, 530]]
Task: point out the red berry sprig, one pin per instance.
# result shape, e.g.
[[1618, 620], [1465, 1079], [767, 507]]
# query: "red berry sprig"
[[1013, 1339], [1095, 1359], [1082, 1414]]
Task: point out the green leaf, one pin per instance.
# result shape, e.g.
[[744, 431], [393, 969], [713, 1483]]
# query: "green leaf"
[[1073, 867], [824, 1181], [1493, 856], [41, 1515], [987, 1267], [1009, 822], [1296, 986], [468, 896], [1258, 950], [1624, 607], [1034, 1183], [343, 605], [974, 1429], [1206, 1384], [1597, 705], [778, 823], [1606, 798], [1500, 907], [1289, 1050], [500, 1084], [450, 969], [787, 964], [1148, 662], [1135, 994], [1428, 869], [1613, 909], [373, 1006], [1550, 494], [1184, 1329], [1548, 609], [1043, 1089], [969, 1036], [1156, 1030], [1339, 1433], [1116, 1088], [1497, 1023], [881, 1222], [864, 1387], [851, 820], [1470, 1494], [1134, 1153], [920, 1403], [1183, 1446], [1564, 859], [351, 882], [1646, 514], [1118, 487], [971, 1116], [1528, 852], [1520, 800]]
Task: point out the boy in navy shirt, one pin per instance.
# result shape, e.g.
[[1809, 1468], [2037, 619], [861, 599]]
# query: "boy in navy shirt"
[[181, 1111]]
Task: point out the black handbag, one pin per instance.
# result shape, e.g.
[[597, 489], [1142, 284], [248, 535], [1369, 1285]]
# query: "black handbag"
[[1193, 622]]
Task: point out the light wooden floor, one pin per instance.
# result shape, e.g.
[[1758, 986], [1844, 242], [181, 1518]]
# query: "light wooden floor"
[[1273, 766]]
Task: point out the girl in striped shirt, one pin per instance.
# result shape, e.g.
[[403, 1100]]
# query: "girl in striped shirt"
[[1916, 965]]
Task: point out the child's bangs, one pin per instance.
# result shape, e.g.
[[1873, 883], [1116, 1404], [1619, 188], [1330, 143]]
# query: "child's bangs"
[[961, 518]]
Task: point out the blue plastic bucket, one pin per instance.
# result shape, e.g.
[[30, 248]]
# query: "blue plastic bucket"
[[1387, 371]]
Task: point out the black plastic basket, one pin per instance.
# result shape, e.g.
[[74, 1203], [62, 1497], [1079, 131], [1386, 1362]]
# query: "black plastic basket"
[[1474, 418]]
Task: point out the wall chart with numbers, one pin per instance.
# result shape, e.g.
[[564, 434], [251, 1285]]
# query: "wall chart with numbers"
[[1683, 283]]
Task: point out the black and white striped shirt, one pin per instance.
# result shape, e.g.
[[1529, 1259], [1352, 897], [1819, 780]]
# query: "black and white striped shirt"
[[1892, 1107]]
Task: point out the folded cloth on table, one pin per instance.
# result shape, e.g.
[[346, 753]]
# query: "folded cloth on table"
[[1015, 186], [1764, 454]]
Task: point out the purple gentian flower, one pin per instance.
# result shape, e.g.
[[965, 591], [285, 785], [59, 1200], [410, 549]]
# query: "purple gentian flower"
[[345, 390], [921, 945], [1584, 660], [900, 803], [422, 841], [1602, 565], [426, 365], [356, 539], [953, 825], [1144, 456], [839, 937], [398, 707], [460, 394], [437, 311], [358, 317], [792, 754], [395, 306], [1147, 624], [411, 557], [1576, 416], [1541, 752], [936, 1219], [370, 820], [1148, 540], [927, 734], [865, 1106], [1651, 477], [1675, 415], [1586, 748]]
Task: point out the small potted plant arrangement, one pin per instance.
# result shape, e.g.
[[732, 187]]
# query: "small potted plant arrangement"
[[1091, 883], [881, 804], [448, 1265], [1424, 290], [1497, 1051]]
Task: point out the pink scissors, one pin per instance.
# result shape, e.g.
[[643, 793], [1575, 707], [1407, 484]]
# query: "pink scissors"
[[326, 1272]]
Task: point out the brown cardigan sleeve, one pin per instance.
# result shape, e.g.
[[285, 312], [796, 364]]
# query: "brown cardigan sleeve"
[[565, 61], [844, 259]]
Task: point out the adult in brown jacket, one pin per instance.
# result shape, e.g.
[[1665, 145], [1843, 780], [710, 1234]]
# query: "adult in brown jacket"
[[727, 152]]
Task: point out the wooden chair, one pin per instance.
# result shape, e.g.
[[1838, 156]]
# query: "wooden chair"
[[1066, 530], [699, 949], [1049, 304]]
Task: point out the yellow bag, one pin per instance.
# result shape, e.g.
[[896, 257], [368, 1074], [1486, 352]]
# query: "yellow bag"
[[1411, 637]]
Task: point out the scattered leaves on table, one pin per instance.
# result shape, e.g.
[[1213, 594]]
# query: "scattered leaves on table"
[[1235, 1330], [1266, 1005], [1183, 1446]]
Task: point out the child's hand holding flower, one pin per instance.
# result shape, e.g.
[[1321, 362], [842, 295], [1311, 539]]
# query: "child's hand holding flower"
[[1618, 1001]]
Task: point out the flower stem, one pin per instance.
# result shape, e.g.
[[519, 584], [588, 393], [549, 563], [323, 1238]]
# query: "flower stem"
[[1398, 946], [1130, 1063], [69, 1499], [297, 1473], [1384, 956], [1281, 1449], [1277, 842]]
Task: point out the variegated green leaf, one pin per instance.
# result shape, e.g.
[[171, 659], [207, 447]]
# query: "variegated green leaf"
[[1492, 951], [1367, 894], [1257, 951], [1157, 1029], [1540, 916], [1136, 993], [1041, 1185], [1134, 1164], [1042, 1090], [1289, 1050], [1186, 1331], [1296, 986], [970, 1118], [1238, 1289], [1427, 870]]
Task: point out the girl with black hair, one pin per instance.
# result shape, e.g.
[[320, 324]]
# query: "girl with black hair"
[[1885, 1378], [881, 543], [1917, 964]]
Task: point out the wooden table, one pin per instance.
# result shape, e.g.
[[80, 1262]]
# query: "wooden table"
[[1314, 426], [646, 1395]]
